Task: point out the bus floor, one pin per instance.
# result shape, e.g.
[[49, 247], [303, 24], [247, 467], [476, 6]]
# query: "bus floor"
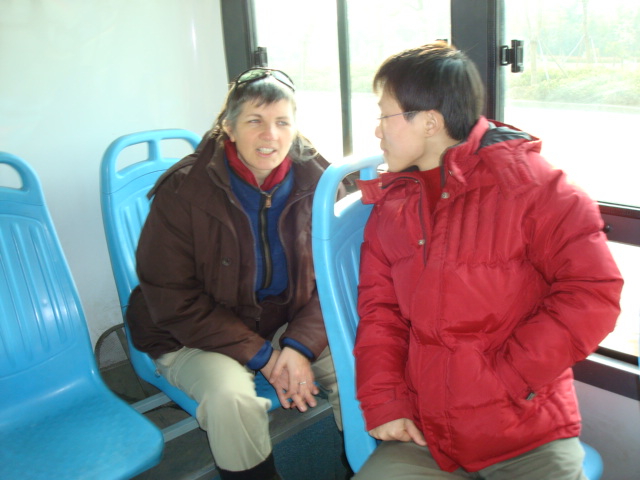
[[307, 446]]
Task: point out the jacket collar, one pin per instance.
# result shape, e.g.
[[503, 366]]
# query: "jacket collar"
[[306, 174], [207, 165], [276, 176], [501, 147]]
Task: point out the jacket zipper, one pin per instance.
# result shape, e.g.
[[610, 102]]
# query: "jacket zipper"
[[298, 196], [267, 271]]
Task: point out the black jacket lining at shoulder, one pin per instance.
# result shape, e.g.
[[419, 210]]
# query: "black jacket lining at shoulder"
[[502, 134]]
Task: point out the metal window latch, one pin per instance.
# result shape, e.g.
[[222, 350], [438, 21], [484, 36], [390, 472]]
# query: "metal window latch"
[[260, 58], [513, 56]]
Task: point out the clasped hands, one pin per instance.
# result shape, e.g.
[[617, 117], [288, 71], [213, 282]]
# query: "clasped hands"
[[290, 374]]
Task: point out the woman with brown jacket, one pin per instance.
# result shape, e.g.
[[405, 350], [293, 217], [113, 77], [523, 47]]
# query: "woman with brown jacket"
[[227, 285]]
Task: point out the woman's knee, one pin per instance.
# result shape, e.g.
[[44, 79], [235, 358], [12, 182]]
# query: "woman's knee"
[[221, 386], [229, 398]]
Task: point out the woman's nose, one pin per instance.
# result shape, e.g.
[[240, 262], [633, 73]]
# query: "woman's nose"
[[378, 132], [269, 131]]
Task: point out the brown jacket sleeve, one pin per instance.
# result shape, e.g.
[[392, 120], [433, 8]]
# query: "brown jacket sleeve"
[[306, 325], [176, 299]]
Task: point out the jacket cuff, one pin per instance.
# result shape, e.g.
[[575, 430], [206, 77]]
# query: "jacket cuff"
[[261, 358], [298, 347], [374, 417]]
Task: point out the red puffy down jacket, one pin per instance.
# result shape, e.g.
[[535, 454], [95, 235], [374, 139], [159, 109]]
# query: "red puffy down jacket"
[[471, 317]]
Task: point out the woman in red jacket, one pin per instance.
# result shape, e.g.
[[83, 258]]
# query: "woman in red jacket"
[[484, 277]]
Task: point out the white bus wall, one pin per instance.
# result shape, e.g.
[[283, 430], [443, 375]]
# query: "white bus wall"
[[74, 76]]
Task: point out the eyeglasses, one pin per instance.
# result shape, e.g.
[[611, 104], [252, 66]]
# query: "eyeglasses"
[[396, 114], [255, 74]]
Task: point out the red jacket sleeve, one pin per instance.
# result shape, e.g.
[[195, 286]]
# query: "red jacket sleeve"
[[382, 339], [567, 246]]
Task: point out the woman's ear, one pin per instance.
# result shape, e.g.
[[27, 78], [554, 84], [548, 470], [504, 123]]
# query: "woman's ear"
[[228, 131]]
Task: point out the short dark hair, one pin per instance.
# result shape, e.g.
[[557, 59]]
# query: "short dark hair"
[[436, 76]]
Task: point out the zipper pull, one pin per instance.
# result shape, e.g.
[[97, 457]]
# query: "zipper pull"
[[267, 200]]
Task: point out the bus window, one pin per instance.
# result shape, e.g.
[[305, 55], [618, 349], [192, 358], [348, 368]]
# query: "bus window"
[[579, 94], [377, 29], [301, 39], [306, 47], [625, 337]]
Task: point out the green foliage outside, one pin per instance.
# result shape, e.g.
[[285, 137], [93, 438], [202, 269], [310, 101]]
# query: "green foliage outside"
[[576, 51], [594, 84]]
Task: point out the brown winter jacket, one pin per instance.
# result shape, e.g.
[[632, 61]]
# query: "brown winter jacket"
[[197, 267]]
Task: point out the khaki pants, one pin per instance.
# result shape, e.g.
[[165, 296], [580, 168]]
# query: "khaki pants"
[[234, 417], [557, 460]]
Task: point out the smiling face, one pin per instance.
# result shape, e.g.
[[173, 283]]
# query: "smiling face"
[[263, 135]]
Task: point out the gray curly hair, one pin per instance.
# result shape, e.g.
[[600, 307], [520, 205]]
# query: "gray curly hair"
[[266, 90]]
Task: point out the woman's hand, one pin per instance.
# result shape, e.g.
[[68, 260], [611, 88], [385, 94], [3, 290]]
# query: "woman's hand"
[[402, 430], [293, 379]]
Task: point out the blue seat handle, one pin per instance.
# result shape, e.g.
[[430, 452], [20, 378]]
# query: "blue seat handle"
[[30, 191], [329, 183], [114, 182]]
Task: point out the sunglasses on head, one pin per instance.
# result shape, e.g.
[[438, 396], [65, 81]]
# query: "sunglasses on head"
[[255, 74]]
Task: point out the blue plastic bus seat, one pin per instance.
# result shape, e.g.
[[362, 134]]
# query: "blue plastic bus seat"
[[592, 464], [337, 232], [125, 207], [57, 417]]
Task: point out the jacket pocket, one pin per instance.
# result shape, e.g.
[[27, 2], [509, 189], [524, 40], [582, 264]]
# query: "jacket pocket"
[[472, 384]]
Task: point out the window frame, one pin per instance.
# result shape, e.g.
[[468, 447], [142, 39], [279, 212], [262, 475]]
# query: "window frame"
[[239, 33], [474, 22], [477, 27]]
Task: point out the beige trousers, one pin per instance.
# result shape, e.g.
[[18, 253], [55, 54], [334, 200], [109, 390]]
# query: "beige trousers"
[[557, 460], [234, 417]]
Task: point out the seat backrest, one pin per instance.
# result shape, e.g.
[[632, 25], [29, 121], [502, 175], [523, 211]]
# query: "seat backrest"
[[125, 207], [45, 348], [337, 232]]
